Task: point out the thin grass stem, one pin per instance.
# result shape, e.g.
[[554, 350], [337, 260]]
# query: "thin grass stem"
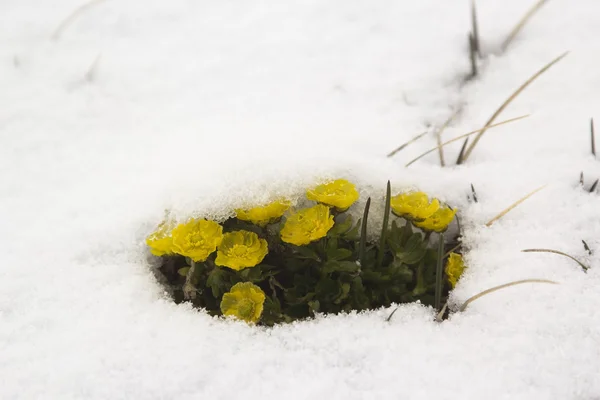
[[439, 282], [582, 265], [438, 135], [593, 135], [362, 247], [76, 13], [511, 207], [522, 22], [464, 136], [384, 228], [403, 146], [509, 100], [496, 288]]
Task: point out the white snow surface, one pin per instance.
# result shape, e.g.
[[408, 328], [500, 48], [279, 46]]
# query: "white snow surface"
[[200, 106]]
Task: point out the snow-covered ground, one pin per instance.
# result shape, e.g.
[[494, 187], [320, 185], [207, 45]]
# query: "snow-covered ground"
[[199, 106]]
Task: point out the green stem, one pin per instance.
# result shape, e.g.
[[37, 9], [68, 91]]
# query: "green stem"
[[439, 282], [384, 228], [427, 236], [362, 249]]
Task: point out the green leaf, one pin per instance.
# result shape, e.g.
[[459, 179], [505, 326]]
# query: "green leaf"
[[384, 227], [340, 266], [353, 234], [406, 233], [338, 254], [292, 298], [345, 287], [217, 281], [341, 226], [357, 292], [375, 277], [271, 309], [413, 251], [253, 274], [327, 289], [183, 271], [421, 286], [306, 252], [363, 234], [314, 306], [400, 271], [332, 244]]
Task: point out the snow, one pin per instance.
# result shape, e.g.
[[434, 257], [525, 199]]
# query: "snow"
[[202, 106]]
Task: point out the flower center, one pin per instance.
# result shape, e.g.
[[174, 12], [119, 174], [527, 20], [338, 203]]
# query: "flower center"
[[239, 250], [246, 307], [195, 239]]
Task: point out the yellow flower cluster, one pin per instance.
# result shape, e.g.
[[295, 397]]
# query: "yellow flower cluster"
[[438, 221], [307, 225], [241, 249], [160, 241], [264, 215], [414, 206], [197, 239], [454, 268], [340, 194], [426, 214], [244, 301]]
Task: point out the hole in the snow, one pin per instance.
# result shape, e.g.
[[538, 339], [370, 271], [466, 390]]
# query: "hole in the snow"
[[277, 263]]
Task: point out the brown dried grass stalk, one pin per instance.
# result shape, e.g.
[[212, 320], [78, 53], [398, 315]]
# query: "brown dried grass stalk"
[[511, 207], [464, 136], [522, 22], [508, 101], [496, 288]]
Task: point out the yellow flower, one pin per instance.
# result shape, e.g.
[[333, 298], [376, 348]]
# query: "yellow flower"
[[241, 249], [264, 215], [160, 241], [307, 225], [244, 301], [197, 239], [340, 194], [454, 268], [414, 206], [439, 221]]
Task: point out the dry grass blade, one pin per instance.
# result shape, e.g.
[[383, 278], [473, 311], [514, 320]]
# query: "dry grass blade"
[[438, 135], [586, 247], [90, 75], [581, 178], [582, 265], [509, 100], [458, 246], [475, 29], [593, 134], [594, 186], [77, 12], [402, 146], [464, 136], [440, 316], [461, 153], [474, 193], [389, 318], [507, 210], [472, 57], [515, 31], [495, 288]]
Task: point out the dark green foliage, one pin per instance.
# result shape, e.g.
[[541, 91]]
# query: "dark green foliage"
[[340, 272]]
